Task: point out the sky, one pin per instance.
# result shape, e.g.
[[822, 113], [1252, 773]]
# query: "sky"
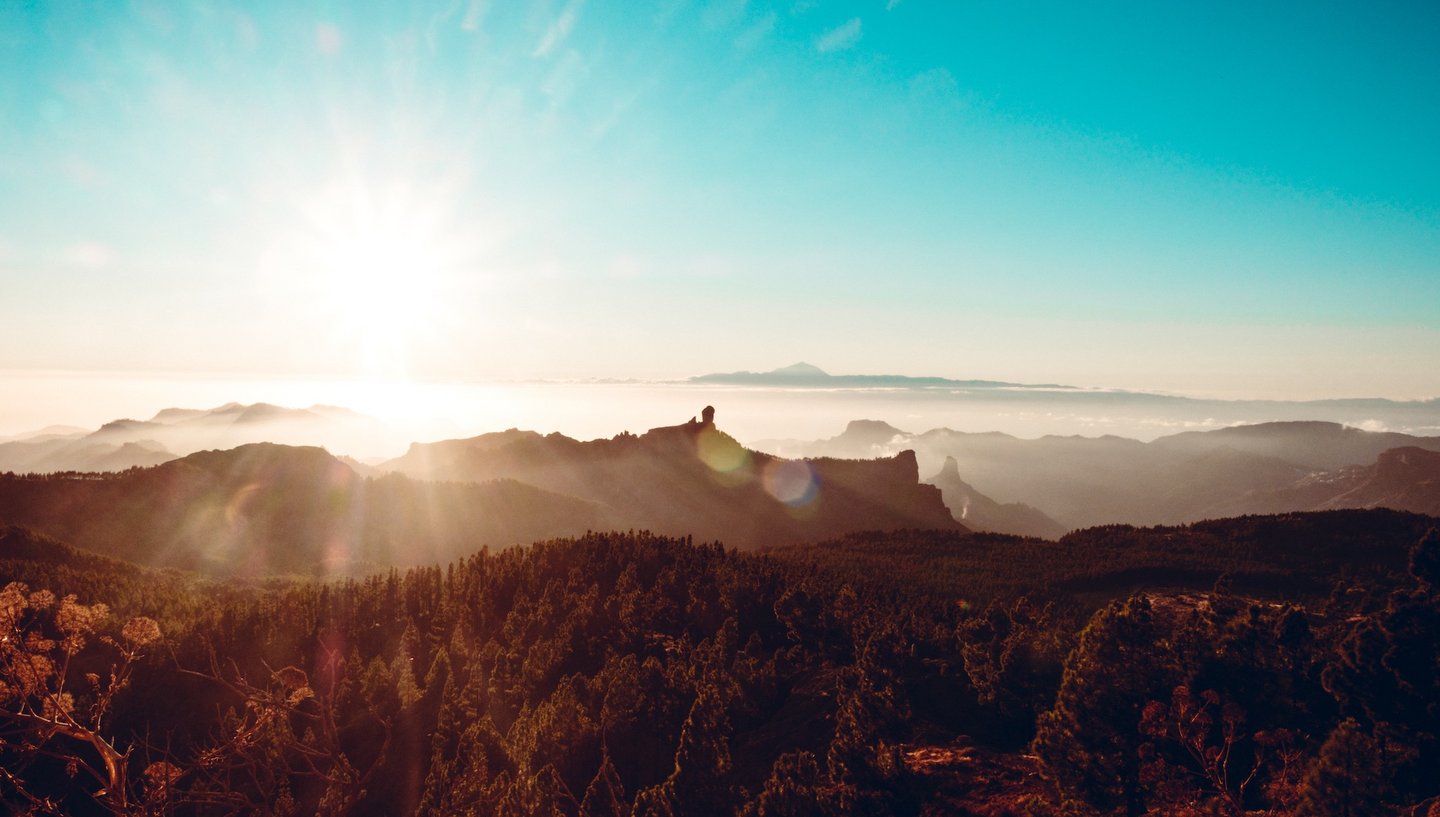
[[1222, 199]]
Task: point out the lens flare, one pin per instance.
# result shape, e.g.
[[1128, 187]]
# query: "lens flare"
[[729, 461], [792, 482]]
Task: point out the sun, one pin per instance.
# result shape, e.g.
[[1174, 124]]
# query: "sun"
[[378, 272], [383, 277], [384, 286]]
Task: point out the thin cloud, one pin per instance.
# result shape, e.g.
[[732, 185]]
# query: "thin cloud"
[[890, 6], [840, 37], [474, 15], [559, 30], [756, 34]]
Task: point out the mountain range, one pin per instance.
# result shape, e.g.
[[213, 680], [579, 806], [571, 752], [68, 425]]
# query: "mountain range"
[[265, 509], [1078, 482], [689, 479], [176, 432]]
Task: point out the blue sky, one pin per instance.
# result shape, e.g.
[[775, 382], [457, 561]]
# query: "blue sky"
[[1233, 199]]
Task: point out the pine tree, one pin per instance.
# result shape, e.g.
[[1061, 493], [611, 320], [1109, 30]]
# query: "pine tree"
[[1346, 779], [1090, 742], [699, 785]]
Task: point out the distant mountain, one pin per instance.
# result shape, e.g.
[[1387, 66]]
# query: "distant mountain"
[[46, 433], [693, 479], [804, 374], [1085, 481], [981, 513], [266, 509], [1402, 478], [86, 452], [1308, 444], [173, 432]]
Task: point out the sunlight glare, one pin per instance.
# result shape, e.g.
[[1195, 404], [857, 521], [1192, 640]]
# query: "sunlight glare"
[[379, 266]]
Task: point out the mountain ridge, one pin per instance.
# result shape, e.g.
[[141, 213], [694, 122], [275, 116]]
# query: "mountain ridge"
[[1086, 481]]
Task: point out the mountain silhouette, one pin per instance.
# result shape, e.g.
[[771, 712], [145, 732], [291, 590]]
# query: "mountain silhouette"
[[1405, 478], [175, 432], [693, 479], [981, 513], [266, 509], [1086, 481]]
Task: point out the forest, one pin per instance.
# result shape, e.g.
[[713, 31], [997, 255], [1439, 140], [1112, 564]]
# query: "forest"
[[1283, 665]]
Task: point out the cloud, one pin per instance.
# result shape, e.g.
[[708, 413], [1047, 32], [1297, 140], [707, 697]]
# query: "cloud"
[[839, 38], [562, 81], [756, 34], [559, 30], [890, 6], [473, 15]]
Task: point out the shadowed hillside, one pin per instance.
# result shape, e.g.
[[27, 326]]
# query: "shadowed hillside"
[[268, 509]]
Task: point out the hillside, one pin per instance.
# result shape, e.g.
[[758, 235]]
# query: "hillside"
[[267, 509], [696, 480]]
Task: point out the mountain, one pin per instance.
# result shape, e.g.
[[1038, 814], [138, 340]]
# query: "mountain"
[[263, 508], [1316, 445], [1085, 481], [694, 479], [81, 453], [981, 513], [805, 375], [266, 509], [46, 433], [174, 432], [1402, 478]]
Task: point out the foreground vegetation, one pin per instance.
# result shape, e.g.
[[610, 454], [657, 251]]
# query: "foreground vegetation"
[[1198, 670]]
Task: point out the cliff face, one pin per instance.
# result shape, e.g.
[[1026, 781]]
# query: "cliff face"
[[1403, 479], [979, 512]]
